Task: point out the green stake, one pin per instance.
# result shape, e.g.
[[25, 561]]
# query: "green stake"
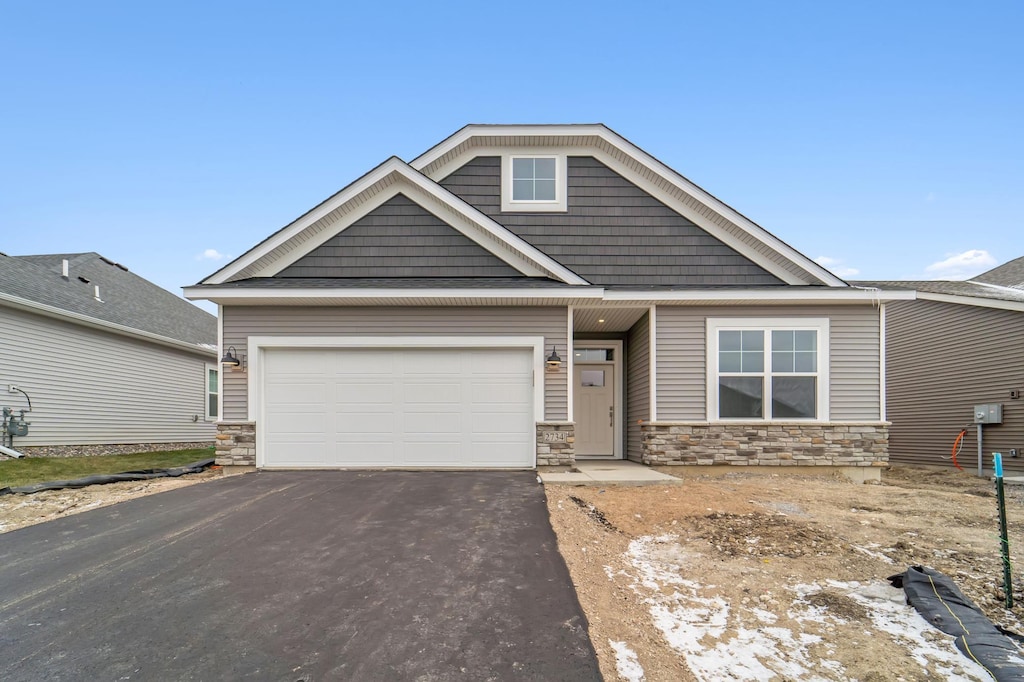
[[1004, 540]]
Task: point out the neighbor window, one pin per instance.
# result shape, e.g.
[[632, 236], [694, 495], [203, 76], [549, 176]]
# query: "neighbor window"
[[212, 393], [533, 183], [768, 369]]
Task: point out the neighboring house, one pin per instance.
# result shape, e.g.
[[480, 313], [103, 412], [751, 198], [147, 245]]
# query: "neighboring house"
[[105, 356], [531, 295], [959, 344]]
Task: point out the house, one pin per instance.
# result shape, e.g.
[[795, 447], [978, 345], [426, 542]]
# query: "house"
[[105, 356], [957, 345], [532, 295]]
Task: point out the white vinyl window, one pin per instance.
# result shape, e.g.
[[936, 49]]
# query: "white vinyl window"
[[212, 393], [533, 182], [768, 369]]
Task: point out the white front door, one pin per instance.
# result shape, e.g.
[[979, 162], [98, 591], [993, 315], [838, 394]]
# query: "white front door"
[[594, 408]]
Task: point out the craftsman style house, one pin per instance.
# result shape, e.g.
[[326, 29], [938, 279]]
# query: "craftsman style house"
[[531, 295]]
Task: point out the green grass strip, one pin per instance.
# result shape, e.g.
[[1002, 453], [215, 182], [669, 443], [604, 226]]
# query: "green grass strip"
[[16, 472]]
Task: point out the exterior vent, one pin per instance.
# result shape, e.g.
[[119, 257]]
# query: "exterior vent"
[[64, 268], [96, 293]]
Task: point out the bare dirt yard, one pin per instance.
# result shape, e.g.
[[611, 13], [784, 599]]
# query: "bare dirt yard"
[[760, 576], [17, 511]]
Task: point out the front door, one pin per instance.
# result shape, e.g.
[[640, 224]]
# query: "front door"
[[594, 408]]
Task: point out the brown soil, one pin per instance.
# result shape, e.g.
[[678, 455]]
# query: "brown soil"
[[17, 511], [752, 539]]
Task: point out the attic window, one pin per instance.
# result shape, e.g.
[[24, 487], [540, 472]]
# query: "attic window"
[[533, 182]]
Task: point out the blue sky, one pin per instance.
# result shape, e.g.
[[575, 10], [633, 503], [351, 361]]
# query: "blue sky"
[[884, 137]]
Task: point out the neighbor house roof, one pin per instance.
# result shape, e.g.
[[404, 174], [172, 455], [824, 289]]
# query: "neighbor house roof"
[[971, 292], [1006, 275], [126, 301]]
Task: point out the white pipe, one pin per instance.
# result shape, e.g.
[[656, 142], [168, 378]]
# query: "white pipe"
[[10, 453]]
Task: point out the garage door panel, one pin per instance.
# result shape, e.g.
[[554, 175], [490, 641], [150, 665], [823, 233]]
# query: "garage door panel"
[[355, 393], [444, 391], [363, 453], [361, 362], [425, 453], [503, 423], [365, 421], [415, 423], [295, 393], [438, 407]]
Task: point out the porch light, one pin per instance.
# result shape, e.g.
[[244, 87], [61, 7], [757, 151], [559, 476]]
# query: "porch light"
[[554, 362], [230, 359]]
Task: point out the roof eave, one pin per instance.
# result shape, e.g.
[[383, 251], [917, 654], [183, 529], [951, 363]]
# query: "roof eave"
[[103, 325]]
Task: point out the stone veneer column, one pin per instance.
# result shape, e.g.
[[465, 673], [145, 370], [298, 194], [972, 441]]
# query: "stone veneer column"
[[556, 443], [236, 443], [779, 444]]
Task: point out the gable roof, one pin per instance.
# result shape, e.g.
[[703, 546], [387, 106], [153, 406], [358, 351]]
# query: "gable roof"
[[622, 156], [128, 303], [392, 177], [420, 181], [1007, 275]]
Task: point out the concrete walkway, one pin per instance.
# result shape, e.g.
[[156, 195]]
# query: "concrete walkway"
[[609, 472]]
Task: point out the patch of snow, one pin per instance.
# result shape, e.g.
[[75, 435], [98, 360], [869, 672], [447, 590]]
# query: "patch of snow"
[[626, 663], [931, 648], [705, 630]]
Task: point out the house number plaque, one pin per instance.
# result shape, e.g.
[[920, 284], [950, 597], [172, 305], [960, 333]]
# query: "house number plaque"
[[555, 436]]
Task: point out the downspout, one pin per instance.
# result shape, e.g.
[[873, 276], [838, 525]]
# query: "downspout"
[[10, 452]]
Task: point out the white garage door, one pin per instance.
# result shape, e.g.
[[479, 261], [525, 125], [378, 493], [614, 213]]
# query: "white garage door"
[[398, 407]]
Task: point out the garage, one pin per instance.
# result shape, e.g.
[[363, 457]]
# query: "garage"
[[398, 407]]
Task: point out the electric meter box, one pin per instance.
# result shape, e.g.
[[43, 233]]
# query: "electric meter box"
[[991, 413]]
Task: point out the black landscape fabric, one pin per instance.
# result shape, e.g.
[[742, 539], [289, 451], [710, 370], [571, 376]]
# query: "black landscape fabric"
[[942, 604], [140, 475]]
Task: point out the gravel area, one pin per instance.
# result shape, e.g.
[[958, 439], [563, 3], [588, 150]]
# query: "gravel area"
[[119, 449]]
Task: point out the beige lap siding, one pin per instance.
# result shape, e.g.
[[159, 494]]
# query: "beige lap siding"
[[854, 358], [241, 322]]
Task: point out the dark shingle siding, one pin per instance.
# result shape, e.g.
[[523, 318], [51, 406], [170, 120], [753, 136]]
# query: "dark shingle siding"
[[399, 239], [614, 233]]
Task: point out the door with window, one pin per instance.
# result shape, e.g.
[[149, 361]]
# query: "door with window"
[[594, 401]]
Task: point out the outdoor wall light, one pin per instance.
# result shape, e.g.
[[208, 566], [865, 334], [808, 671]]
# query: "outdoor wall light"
[[554, 362], [231, 360]]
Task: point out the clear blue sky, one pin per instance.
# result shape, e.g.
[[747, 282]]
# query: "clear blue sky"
[[884, 136]]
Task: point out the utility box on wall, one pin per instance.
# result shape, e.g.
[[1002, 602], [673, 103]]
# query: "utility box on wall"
[[990, 413]]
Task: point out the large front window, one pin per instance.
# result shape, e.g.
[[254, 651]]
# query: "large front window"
[[768, 369]]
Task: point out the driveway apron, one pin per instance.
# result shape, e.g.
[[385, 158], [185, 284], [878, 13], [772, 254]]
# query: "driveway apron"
[[329, 575]]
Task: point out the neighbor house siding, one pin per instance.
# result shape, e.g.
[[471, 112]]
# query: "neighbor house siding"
[[92, 387], [399, 239], [613, 233], [942, 359], [854, 358], [638, 385], [240, 322]]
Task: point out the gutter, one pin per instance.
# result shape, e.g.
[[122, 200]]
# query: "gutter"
[[103, 325]]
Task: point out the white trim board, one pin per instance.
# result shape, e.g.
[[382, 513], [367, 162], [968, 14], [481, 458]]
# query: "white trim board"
[[594, 140], [971, 300], [781, 295], [382, 183]]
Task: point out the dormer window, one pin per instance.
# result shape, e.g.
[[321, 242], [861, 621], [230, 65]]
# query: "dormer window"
[[533, 182]]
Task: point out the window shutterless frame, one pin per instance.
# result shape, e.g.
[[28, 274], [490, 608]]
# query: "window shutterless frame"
[[533, 182], [212, 392], [768, 369]]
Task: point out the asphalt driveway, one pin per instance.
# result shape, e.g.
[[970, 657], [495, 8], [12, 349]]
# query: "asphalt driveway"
[[298, 576]]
